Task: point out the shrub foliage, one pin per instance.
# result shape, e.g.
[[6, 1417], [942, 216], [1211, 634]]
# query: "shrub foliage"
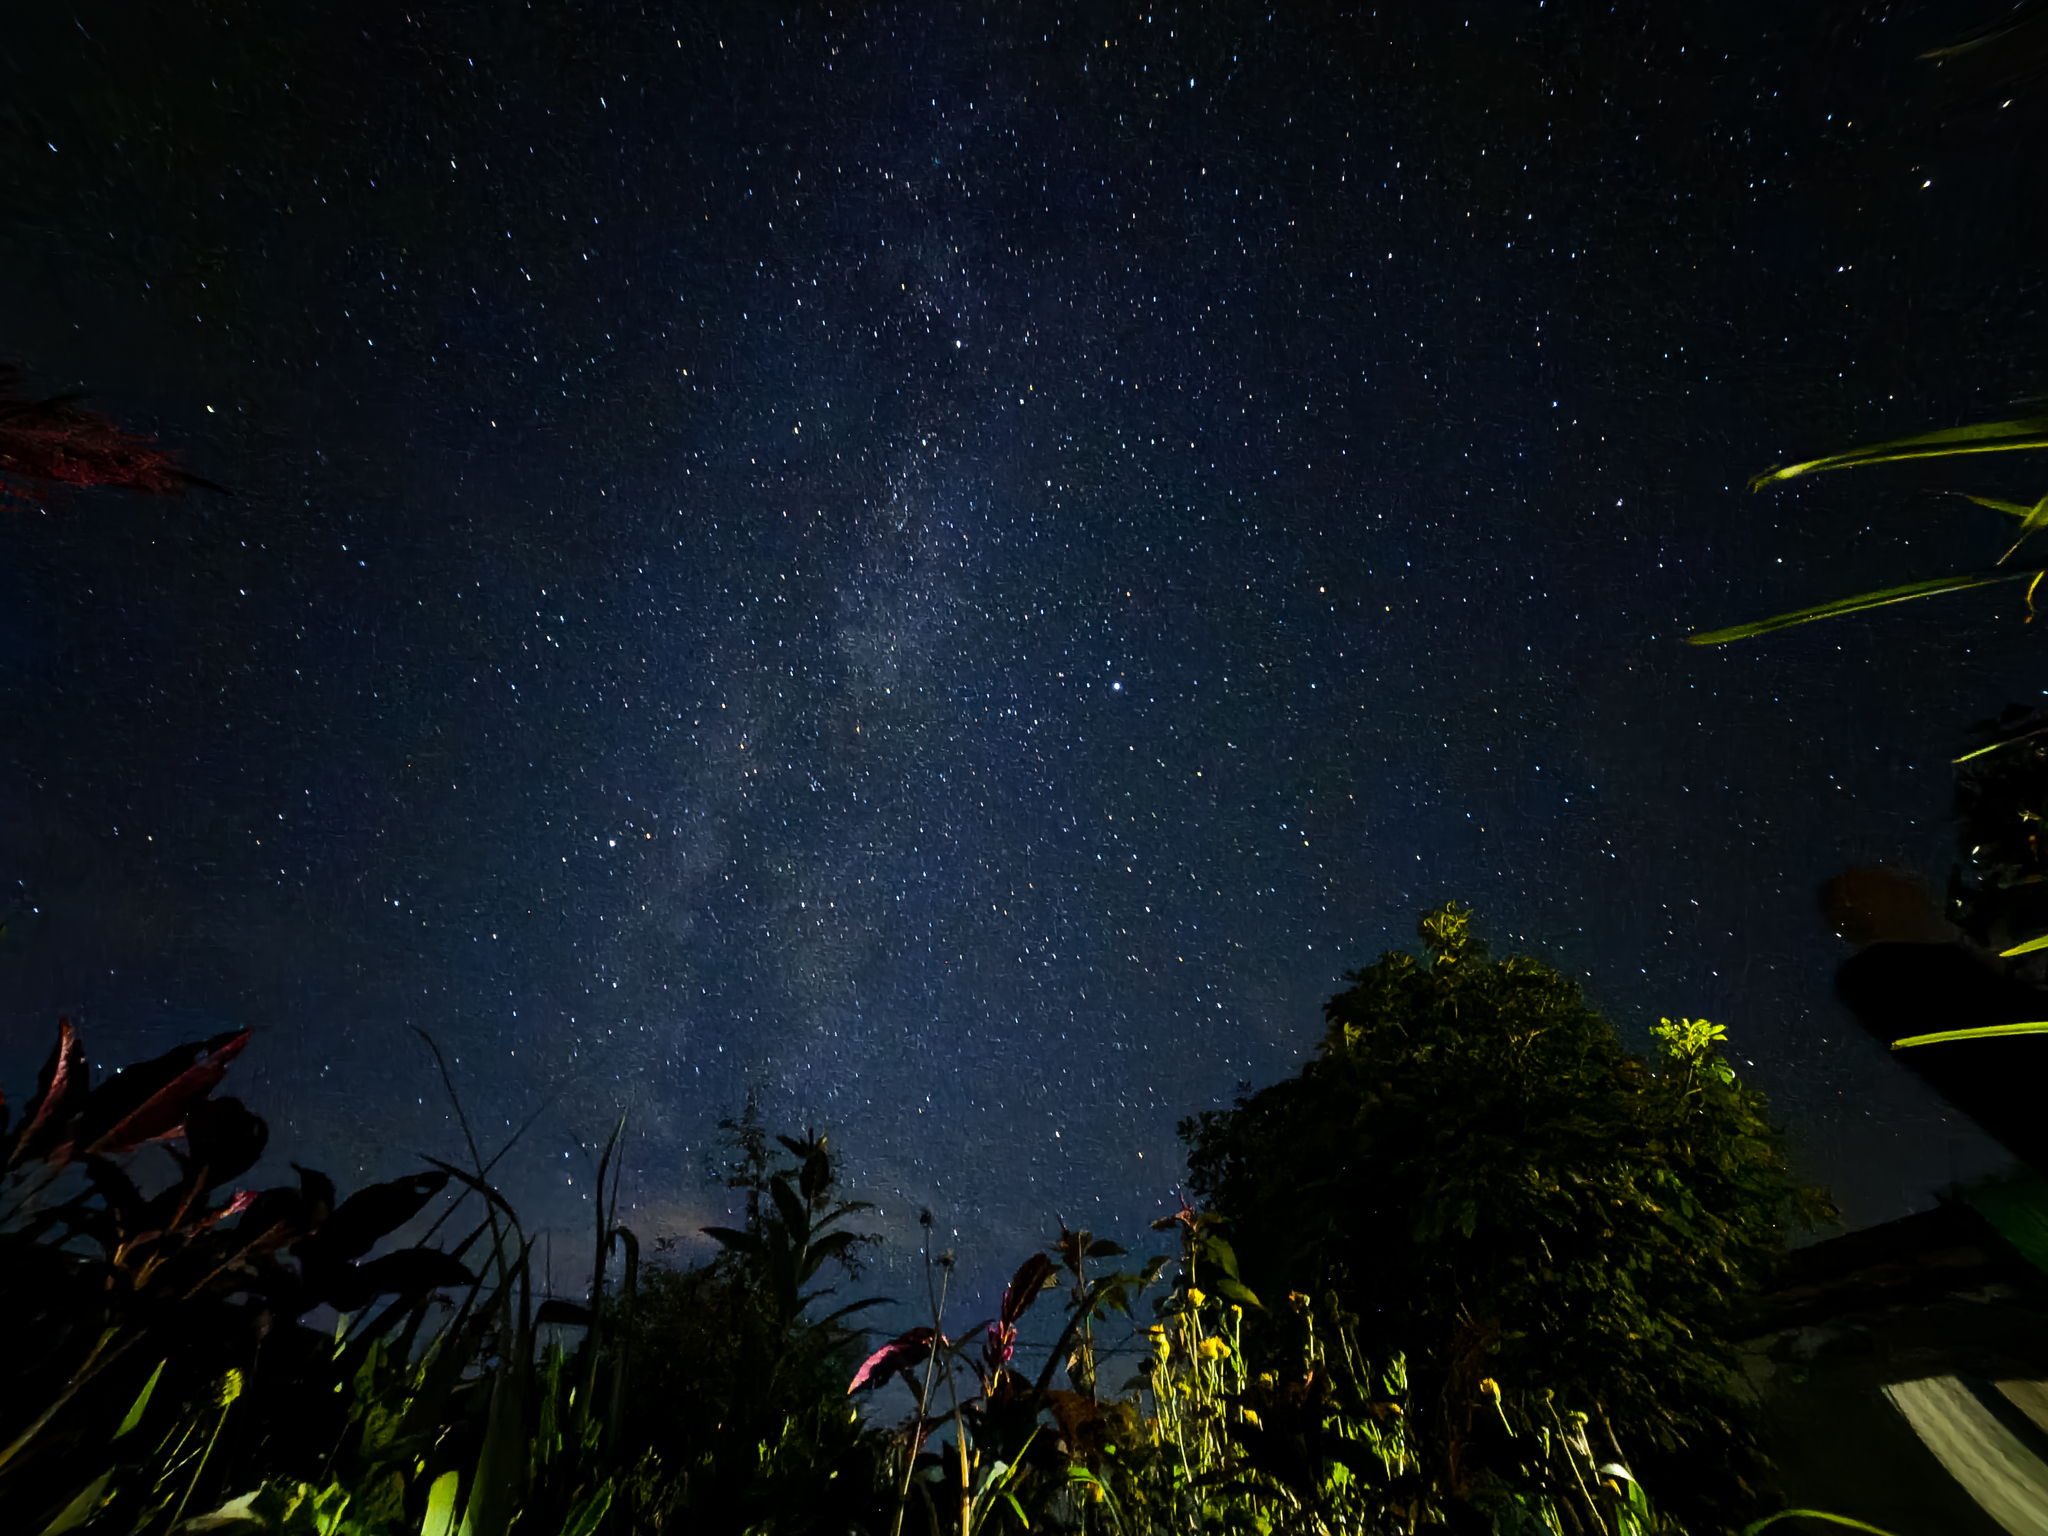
[[1499, 1190]]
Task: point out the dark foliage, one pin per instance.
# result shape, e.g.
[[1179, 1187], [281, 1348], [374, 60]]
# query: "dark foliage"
[[114, 1277], [1495, 1187], [738, 1389], [54, 440]]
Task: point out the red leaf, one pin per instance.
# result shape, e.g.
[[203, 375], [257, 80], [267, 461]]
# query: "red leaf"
[[165, 1092], [59, 1074], [903, 1353], [54, 440]]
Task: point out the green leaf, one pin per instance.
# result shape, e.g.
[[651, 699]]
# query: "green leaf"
[[1236, 1291], [141, 1403], [739, 1242], [584, 1518], [498, 1486], [1221, 1254], [85, 1506], [440, 1519], [1982, 1032], [1987, 437], [2025, 949], [1858, 603]]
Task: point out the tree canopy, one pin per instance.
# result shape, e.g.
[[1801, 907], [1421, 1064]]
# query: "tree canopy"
[[1497, 1187]]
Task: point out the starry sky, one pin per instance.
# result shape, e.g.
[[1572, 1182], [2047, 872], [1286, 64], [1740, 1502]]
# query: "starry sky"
[[956, 568]]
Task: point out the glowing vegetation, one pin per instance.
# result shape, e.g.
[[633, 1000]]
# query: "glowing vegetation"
[[2027, 432]]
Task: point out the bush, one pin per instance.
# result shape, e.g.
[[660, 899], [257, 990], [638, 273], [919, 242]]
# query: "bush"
[[1497, 1189]]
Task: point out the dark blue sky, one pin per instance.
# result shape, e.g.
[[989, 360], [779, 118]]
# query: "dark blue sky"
[[960, 571]]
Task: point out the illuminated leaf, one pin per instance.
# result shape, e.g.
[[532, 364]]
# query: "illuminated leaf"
[[1858, 603], [1980, 1032], [1986, 437]]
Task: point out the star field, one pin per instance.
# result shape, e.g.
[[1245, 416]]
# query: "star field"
[[957, 569]]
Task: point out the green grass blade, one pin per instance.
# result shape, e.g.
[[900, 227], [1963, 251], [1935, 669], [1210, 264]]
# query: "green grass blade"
[[141, 1403], [1981, 1032], [1986, 437], [1857, 604], [80, 1509], [2027, 948], [1998, 746], [1813, 1514]]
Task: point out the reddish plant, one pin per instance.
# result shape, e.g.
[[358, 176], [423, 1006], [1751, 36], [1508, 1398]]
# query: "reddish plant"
[[54, 440]]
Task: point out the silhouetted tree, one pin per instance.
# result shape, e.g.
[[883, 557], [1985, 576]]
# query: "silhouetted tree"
[[1499, 1189]]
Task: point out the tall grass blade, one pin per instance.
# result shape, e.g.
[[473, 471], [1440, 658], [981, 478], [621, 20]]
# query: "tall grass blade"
[[1998, 746], [440, 1519], [500, 1480], [141, 1403], [1986, 437], [80, 1509], [1981, 1032], [2027, 948], [1857, 604]]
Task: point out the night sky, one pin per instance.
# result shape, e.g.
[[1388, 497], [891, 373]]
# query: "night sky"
[[958, 571]]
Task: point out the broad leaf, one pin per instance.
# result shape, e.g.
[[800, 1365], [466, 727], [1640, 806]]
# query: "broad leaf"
[[148, 1102], [368, 1214], [1032, 1276], [903, 1353], [408, 1272]]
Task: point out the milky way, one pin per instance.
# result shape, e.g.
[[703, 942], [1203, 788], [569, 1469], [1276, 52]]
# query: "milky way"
[[957, 572]]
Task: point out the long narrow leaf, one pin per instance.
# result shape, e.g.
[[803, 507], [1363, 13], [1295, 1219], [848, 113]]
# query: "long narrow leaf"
[[2025, 949], [440, 1519], [1812, 1514], [1858, 603], [141, 1404], [1986, 437], [80, 1509], [1999, 746], [1981, 1032]]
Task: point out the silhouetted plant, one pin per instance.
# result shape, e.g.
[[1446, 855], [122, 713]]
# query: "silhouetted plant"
[[738, 1396], [1497, 1189]]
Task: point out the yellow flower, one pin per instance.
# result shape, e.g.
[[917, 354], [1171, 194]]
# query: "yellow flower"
[[1195, 1297], [1213, 1349]]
